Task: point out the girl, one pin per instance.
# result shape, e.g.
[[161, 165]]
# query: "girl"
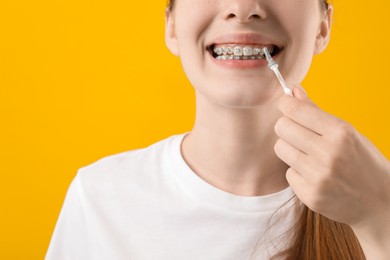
[[261, 175]]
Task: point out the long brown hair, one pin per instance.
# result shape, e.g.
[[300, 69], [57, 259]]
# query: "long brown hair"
[[316, 237]]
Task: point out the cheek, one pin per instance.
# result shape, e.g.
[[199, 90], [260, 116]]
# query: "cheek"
[[301, 26], [193, 18], [301, 20]]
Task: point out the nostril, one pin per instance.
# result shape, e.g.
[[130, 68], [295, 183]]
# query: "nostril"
[[231, 16], [254, 16]]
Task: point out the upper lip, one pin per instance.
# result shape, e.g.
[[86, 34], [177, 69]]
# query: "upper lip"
[[245, 38]]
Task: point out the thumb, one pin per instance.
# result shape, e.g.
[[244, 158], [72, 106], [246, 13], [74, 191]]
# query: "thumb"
[[299, 93]]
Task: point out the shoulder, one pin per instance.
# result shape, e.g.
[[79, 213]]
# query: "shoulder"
[[134, 166]]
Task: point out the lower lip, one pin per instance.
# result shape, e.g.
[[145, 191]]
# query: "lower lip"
[[239, 64]]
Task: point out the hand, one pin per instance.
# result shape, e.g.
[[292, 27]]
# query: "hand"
[[334, 170]]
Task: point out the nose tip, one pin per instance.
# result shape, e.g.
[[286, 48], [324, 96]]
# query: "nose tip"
[[244, 11]]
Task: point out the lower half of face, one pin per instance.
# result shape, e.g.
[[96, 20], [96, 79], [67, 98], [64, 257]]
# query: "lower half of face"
[[245, 83]]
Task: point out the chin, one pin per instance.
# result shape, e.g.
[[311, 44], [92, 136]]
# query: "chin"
[[242, 96]]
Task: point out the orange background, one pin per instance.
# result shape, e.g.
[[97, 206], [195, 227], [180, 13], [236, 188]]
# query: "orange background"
[[80, 80]]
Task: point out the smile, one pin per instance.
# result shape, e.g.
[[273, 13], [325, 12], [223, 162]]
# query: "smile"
[[241, 52]]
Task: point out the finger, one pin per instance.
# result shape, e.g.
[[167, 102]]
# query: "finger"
[[298, 136], [306, 114], [295, 85], [298, 184], [293, 157], [300, 93]]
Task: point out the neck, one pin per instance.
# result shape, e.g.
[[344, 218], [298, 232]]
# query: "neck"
[[232, 149]]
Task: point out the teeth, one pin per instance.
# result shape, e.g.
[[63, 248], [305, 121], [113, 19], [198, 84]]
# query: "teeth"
[[237, 51], [247, 51], [256, 51], [217, 50], [240, 52]]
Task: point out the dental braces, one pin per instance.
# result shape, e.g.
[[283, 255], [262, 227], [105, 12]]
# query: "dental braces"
[[240, 53], [233, 57]]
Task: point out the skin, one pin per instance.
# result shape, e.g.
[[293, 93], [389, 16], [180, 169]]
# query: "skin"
[[249, 139], [336, 171]]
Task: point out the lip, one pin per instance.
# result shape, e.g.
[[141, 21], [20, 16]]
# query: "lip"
[[243, 39]]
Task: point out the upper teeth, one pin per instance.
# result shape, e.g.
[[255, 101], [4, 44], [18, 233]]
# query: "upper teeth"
[[239, 51]]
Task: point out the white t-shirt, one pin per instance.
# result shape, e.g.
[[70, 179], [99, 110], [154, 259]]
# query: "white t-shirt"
[[149, 204]]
